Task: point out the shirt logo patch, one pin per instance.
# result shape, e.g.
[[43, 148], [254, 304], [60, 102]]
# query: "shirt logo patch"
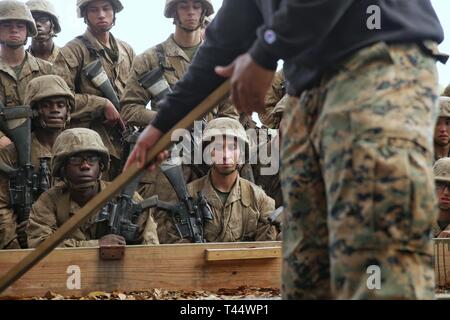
[[270, 36]]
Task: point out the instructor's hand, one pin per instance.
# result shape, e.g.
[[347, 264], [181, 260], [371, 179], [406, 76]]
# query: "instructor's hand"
[[147, 140], [249, 83]]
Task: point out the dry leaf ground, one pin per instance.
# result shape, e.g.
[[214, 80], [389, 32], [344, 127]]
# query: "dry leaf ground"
[[243, 293]]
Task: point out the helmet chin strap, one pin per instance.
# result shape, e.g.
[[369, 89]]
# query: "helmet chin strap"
[[44, 125], [84, 186], [178, 23], [187, 29], [92, 28], [49, 35], [14, 45]]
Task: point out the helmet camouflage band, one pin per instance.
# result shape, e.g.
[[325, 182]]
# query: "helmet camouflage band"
[[444, 106], [16, 10], [81, 6], [169, 9], [46, 7], [442, 170], [46, 87], [73, 141], [224, 127]]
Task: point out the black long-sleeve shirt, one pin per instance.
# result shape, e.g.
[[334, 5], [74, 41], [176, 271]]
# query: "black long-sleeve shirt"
[[309, 35]]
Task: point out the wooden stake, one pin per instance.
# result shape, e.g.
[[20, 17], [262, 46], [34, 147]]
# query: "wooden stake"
[[112, 190]]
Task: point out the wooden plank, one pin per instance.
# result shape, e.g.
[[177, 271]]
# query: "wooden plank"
[[442, 262], [242, 253], [171, 267]]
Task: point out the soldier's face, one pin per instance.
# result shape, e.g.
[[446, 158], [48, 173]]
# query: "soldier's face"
[[13, 32], [54, 112], [100, 15], [189, 13], [442, 132], [443, 190], [44, 25], [83, 167], [225, 155]]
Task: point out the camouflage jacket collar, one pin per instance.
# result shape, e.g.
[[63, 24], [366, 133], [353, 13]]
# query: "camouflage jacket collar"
[[52, 57], [172, 49], [73, 206], [101, 50], [31, 65], [39, 149], [237, 193]]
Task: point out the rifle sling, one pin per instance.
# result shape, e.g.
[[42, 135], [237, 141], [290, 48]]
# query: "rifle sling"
[[162, 58]]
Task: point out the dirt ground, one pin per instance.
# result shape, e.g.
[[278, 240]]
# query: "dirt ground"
[[243, 293]]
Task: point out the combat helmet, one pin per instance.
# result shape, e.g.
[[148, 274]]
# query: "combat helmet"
[[48, 86], [442, 170], [46, 7], [169, 9], [16, 10], [444, 106], [81, 6], [225, 126], [73, 141]]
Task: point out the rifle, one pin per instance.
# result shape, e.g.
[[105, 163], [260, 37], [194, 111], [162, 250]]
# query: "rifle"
[[120, 217], [97, 75], [275, 218], [188, 215], [154, 82], [95, 72], [24, 184], [43, 176]]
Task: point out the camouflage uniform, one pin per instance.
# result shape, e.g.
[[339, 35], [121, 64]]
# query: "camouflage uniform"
[[276, 93], [135, 99], [52, 57], [356, 174], [447, 91], [46, 7], [276, 101], [7, 217], [13, 86], [38, 89], [243, 216], [174, 61], [444, 112], [269, 183], [90, 102], [55, 206], [441, 171]]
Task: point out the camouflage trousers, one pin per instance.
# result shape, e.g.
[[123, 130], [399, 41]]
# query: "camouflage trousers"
[[357, 177]]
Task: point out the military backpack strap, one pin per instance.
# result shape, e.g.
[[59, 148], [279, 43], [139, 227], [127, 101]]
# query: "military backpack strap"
[[162, 58], [94, 54]]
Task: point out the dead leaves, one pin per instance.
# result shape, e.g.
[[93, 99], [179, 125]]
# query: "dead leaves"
[[241, 293]]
